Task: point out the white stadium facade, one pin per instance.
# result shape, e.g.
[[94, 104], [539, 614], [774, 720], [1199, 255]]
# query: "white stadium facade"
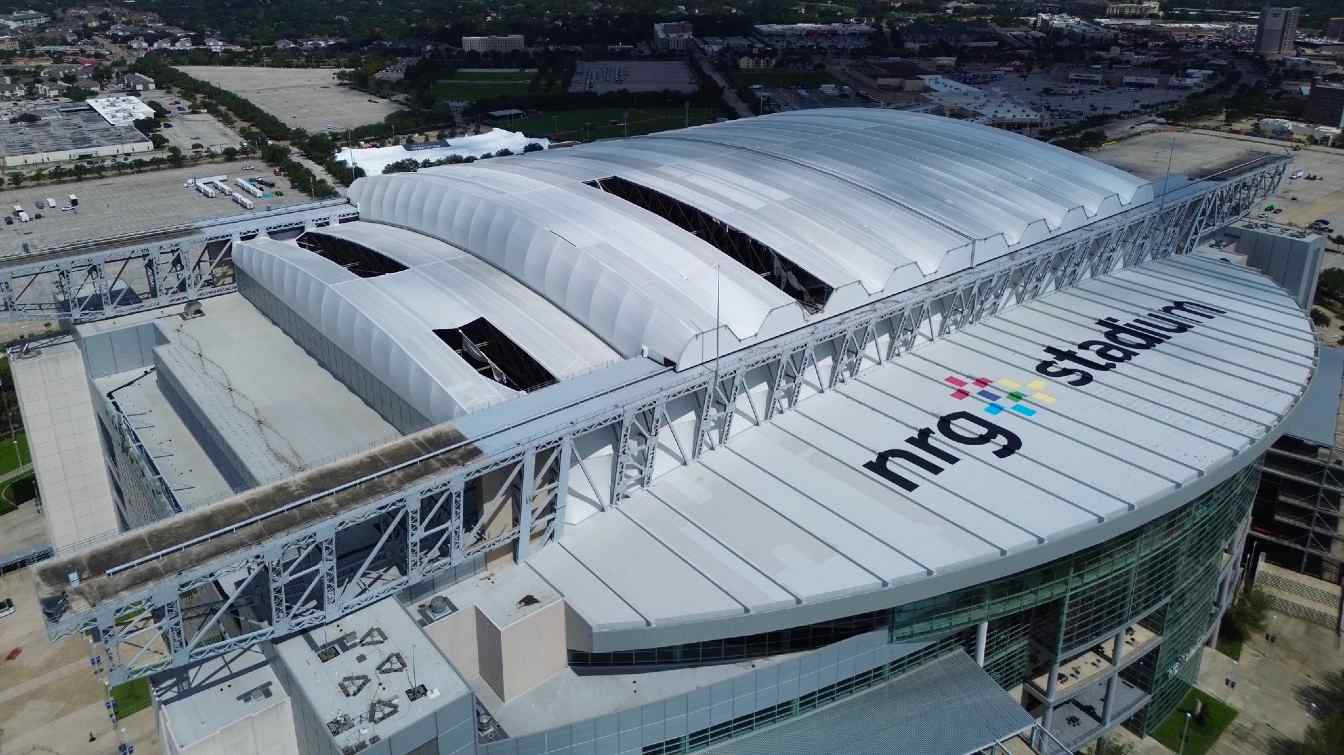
[[825, 431]]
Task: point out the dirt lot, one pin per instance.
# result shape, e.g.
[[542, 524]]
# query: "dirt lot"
[[308, 98], [124, 204], [50, 699]]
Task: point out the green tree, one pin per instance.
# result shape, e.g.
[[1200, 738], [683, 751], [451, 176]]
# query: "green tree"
[[1324, 736], [175, 156], [230, 154], [158, 140], [1249, 615], [16, 178]]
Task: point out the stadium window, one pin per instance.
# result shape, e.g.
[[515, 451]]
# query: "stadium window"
[[778, 270]]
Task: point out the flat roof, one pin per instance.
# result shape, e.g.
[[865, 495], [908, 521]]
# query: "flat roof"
[[828, 510], [121, 110], [58, 416], [65, 130], [1315, 419], [383, 646], [208, 697]]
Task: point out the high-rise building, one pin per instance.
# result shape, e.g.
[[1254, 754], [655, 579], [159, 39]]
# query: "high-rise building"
[[1277, 31], [1325, 105], [1336, 29]]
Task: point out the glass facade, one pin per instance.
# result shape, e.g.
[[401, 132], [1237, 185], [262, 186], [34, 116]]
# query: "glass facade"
[[1163, 575]]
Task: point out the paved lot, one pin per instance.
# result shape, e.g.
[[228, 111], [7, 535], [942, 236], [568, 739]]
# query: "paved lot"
[[1069, 102], [119, 205], [1196, 152], [199, 128], [50, 700], [308, 98]]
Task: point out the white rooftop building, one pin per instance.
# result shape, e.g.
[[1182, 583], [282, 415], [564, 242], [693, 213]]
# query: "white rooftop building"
[[820, 429]]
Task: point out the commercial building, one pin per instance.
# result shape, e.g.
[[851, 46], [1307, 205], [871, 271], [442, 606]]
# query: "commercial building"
[[62, 133], [1276, 33], [137, 82], [1336, 29], [1134, 10], [859, 430], [1325, 105], [502, 43], [837, 35], [673, 35], [23, 19]]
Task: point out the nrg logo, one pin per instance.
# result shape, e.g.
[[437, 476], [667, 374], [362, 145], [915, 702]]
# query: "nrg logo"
[[1119, 343]]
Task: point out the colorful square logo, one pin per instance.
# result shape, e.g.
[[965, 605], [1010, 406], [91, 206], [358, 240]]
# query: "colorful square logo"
[[1003, 394]]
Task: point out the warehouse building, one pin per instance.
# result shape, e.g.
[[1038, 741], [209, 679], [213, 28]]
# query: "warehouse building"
[[868, 432], [63, 133]]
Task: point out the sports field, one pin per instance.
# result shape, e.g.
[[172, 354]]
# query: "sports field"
[[478, 84]]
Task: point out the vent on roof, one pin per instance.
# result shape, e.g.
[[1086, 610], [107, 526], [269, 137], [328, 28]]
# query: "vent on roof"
[[776, 269], [357, 258], [494, 355]]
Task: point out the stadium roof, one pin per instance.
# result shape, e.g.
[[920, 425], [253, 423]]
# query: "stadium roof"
[[914, 478], [686, 243], [389, 322]]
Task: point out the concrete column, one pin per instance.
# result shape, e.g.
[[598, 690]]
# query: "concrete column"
[[1108, 705], [981, 639]]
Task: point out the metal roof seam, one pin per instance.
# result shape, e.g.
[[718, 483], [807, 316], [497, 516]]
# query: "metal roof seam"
[[1131, 376], [1068, 501]]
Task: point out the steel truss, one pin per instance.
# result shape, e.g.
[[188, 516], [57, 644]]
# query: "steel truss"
[[315, 574], [113, 277]]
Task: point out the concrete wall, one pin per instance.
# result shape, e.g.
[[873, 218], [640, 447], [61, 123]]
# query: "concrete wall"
[[360, 381], [44, 158], [518, 656], [1293, 263]]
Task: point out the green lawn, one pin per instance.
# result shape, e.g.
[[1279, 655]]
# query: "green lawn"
[[1201, 737], [478, 85], [606, 123], [131, 697], [777, 78], [12, 455]]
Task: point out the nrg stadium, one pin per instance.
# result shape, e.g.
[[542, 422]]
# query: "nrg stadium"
[[824, 431]]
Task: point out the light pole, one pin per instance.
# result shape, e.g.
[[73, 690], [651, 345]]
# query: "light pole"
[[1184, 730]]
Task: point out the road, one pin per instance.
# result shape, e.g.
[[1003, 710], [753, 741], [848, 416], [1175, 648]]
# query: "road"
[[729, 93]]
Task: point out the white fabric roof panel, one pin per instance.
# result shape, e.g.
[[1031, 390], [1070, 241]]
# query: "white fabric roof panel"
[[791, 501], [870, 202], [386, 323]]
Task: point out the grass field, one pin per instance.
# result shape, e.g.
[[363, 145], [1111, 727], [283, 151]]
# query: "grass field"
[[14, 455], [131, 697], [1201, 737], [606, 123], [773, 78], [477, 85]]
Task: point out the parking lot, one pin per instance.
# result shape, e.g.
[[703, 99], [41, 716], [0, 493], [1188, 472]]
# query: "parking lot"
[[307, 98], [1299, 200], [184, 130], [119, 205], [1066, 102]]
